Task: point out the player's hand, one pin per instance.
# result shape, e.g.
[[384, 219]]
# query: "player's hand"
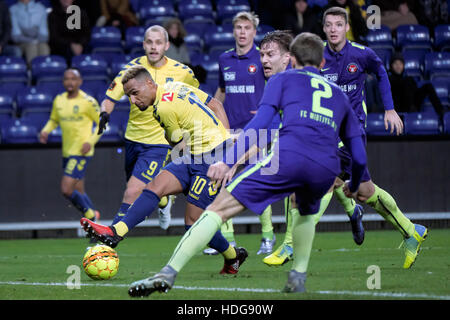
[[347, 191], [86, 148], [216, 173], [104, 119], [43, 137], [392, 119]]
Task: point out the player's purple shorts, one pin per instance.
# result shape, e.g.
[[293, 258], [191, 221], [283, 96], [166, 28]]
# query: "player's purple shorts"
[[346, 162], [275, 178]]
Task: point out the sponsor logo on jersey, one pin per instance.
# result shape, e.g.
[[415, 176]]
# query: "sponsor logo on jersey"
[[252, 68], [167, 96], [352, 67], [229, 76], [333, 77]]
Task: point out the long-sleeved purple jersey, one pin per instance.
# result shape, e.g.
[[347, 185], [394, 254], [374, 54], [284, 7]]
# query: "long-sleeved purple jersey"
[[348, 68]]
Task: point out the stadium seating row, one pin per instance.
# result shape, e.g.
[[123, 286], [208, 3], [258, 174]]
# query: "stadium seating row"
[[25, 130]]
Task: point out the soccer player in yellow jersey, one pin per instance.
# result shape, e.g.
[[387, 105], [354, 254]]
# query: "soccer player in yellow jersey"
[[74, 111], [202, 128], [146, 149]]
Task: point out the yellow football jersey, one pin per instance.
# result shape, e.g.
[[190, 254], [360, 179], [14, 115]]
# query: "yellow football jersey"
[[180, 110], [75, 117], [142, 127]]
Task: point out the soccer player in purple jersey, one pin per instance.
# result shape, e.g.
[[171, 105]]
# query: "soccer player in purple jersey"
[[346, 65], [315, 115], [241, 85]]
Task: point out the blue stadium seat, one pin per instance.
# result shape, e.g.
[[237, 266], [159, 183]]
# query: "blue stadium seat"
[[384, 54], [261, 31], [219, 38], [91, 66], [413, 36], [37, 118], [94, 88], [48, 68], [198, 25], [106, 39], [117, 64], [55, 136], [375, 125], [211, 66], [12, 87], [437, 64], [13, 69], [380, 38], [149, 12], [7, 109], [227, 9], [112, 134], [193, 42], [18, 131], [442, 37], [414, 66], [52, 88], [447, 122], [421, 123], [134, 36], [441, 87], [34, 100], [195, 8]]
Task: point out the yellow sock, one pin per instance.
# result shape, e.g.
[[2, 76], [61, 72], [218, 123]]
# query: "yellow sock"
[[230, 253], [121, 228], [163, 202], [89, 214]]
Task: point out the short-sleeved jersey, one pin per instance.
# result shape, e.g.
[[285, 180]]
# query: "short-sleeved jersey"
[[142, 127], [242, 77], [315, 114], [75, 117], [348, 68], [181, 111]]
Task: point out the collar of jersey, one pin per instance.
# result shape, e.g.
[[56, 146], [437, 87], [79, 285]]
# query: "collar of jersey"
[[340, 53], [250, 52], [311, 69], [156, 68]]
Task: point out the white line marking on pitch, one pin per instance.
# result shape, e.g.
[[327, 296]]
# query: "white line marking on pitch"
[[325, 292]]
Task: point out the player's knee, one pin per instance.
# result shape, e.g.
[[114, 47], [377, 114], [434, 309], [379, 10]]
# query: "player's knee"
[[131, 194], [365, 191]]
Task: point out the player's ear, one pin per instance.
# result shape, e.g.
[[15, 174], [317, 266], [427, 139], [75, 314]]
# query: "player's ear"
[[293, 62], [322, 64], [347, 27]]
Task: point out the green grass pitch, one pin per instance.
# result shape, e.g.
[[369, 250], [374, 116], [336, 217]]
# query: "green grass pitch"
[[339, 269]]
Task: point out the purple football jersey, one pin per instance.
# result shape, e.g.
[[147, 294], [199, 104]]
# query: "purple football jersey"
[[348, 68], [242, 77], [316, 114]]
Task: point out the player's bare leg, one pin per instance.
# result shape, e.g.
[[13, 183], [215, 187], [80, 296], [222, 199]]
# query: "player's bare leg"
[[224, 207]]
